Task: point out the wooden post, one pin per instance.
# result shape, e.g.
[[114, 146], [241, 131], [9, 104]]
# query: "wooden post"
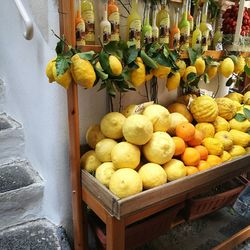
[[67, 28]]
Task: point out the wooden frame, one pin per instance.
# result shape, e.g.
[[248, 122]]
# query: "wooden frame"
[[116, 213]]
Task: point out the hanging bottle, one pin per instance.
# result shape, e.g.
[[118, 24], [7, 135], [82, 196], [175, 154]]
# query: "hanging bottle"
[[155, 30], [204, 27], [184, 27], [147, 28], [105, 27], [80, 27], [175, 33], [196, 38], [163, 23], [114, 19], [217, 41], [89, 19], [134, 26]]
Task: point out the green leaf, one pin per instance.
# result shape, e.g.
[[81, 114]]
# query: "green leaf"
[[115, 48], [191, 77], [165, 52], [162, 60], [206, 78], [192, 55], [246, 112], [60, 47], [87, 55], [240, 117], [62, 64], [132, 54], [247, 70], [133, 65], [148, 61], [229, 82], [101, 74], [104, 61]]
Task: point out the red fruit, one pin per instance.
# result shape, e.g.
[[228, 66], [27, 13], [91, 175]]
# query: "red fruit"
[[245, 21]]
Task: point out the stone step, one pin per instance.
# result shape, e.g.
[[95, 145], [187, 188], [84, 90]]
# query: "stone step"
[[21, 193], [11, 139], [39, 234]]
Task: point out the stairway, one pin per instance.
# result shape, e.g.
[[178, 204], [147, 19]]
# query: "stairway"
[[21, 194]]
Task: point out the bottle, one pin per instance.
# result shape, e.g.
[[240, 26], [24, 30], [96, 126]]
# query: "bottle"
[[217, 41], [155, 30], [204, 27], [184, 27], [147, 28], [190, 20], [114, 19], [105, 27], [80, 27], [175, 33], [89, 19], [163, 23], [196, 38], [134, 26]]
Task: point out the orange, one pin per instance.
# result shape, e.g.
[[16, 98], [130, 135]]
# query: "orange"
[[203, 152], [203, 165], [191, 170], [180, 145], [214, 160], [185, 130], [191, 157], [197, 139]]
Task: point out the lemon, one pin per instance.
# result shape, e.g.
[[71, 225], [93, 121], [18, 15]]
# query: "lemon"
[[189, 69], [239, 66], [82, 71], [235, 97], [247, 150], [94, 135], [159, 116], [221, 124], [161, 71], [246, 98], [89, 161], [225, 138], [225, 156], [175, 169], [213, 145], [227, 67], [200, 66], [152, 175], [111, 125], [160, 148], [175, 119], [237, 105], [240, 138], [103, 149], [182, 67], [49, 70], [125, 182], [115, 65], [173, 81], [104, 172], [212, 71], [243, 126], [206, 128], [138, 76], [125, 155], [237, 150], [137, 129], [64, 80]]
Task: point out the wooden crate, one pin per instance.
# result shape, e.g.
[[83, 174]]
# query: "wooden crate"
[[184, 188]]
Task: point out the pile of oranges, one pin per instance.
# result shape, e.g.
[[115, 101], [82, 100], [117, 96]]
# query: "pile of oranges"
[[188, 149]]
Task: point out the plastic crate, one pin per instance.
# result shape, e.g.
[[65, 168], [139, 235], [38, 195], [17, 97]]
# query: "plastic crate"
[[140, 232], [197, 207]]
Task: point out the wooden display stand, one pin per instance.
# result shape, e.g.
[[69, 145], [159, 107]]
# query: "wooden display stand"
[[119, 214]]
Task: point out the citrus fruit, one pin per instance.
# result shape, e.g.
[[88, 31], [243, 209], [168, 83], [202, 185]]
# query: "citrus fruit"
[[239, 66], [227, 67], [175, 119], [65, 79], [191, 157], [225, 156], [203, 165], [214, 160], [115, 65], [203, 152], [206, 128], [236, 151], [137, 129], [186, 131], [173, 81], [212, 71], [125, 182], [138, 75], [125, 155], [182, 67], [200, 66], [49, 69], [152, 175], [225, 138], [191, 170], [161, 71], [221, 124], [197, 139], [213, 145], [180, 108], [180, 145], [89, 161], [189, 70], [103, 149], [104, 172], [174, 169], [94, 135]]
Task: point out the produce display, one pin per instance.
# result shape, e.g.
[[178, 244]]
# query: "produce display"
[[154, 145]]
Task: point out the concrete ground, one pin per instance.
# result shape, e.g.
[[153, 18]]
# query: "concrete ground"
[[202, 234]]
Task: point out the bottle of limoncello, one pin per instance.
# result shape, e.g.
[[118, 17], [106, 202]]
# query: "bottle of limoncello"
[[196, 38], [147, 28], [114, 19], [184, 27]]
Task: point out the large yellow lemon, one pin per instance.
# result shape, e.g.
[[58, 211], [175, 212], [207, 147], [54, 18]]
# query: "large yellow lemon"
[[104, 172], [94, 135], [221, 124], [103, 149], [175, 169], [115, 65], [89, 161]]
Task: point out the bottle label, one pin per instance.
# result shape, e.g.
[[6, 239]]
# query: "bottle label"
[[155, 35], [184, 39], [106, 32], [204, 39], [164, 31], [176, 41], [80, 34], [89, 19], [135, 33], [114, 19], [148, 37]]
